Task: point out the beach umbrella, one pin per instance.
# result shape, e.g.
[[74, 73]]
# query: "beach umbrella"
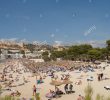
[[67, 82], [97, 62], [56, 83]]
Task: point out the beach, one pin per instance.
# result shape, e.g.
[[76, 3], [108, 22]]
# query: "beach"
[[26, 89]]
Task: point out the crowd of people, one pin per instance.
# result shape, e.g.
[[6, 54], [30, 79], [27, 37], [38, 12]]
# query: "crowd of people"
[[14, 70]]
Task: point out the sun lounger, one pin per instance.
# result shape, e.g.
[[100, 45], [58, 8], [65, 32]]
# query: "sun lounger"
[[13, 86], [69, 92], [107, 87], [90, 79], [21, 84], [7, 89]]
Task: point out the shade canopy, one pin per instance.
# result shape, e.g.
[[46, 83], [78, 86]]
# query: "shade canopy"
[[67, 82], [56, 83]]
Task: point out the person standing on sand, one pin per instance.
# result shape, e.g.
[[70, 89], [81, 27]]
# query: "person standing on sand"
[[98, 77], [101, 76], [34, 90], [71, 87], [66, 88]]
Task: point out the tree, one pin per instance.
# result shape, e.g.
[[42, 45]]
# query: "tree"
[[104, 52], [58, 54], [78, 52], [108, 44], [23, 53], [45, 56], [45, 53], [108, 48], [30, 47], [94, 54]]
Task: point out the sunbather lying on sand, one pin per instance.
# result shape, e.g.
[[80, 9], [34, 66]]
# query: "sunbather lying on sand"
[[51, 94], [15, 93], [78, 82]]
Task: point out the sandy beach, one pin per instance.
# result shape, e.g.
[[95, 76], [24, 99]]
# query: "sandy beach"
[[26, 89]]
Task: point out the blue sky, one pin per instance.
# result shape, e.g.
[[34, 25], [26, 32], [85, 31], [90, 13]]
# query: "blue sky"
[[64, 21]]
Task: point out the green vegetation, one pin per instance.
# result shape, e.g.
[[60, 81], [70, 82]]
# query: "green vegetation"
[[89, 93], [46, 56], [83, 52], [0, 51], [30, 47], [8, 98], [23, 52], [0, 89]]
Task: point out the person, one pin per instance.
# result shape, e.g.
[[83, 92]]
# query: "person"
[[66, 88], [98, 77], [58, 91], [101, 76], [18, 93], [40, 78], [78, 82], [13, 93], [52, 92], [103, 68], [34, 90], [71, 87], [80, 97]]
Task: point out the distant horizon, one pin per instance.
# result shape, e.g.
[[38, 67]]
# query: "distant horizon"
[[95, 44], [56, 21]]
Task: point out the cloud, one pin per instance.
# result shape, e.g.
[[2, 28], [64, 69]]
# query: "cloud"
[[65, 36], [90, 30], [10, 39], [7, 15], [57, 1], [74, 14], [58, 43], [52, 35], [23, 17], [57, 30], [26, 17], [13, 39], [107, 15], [41, 15], [90, 1], [7, 41], [94, 43], [24, 1], [24, 41], [97, 43], [24, 30]]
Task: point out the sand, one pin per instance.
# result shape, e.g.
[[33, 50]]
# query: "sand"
[[98, 87]]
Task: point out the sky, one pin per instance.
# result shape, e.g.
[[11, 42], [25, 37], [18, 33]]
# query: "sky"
[[55, 21]]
